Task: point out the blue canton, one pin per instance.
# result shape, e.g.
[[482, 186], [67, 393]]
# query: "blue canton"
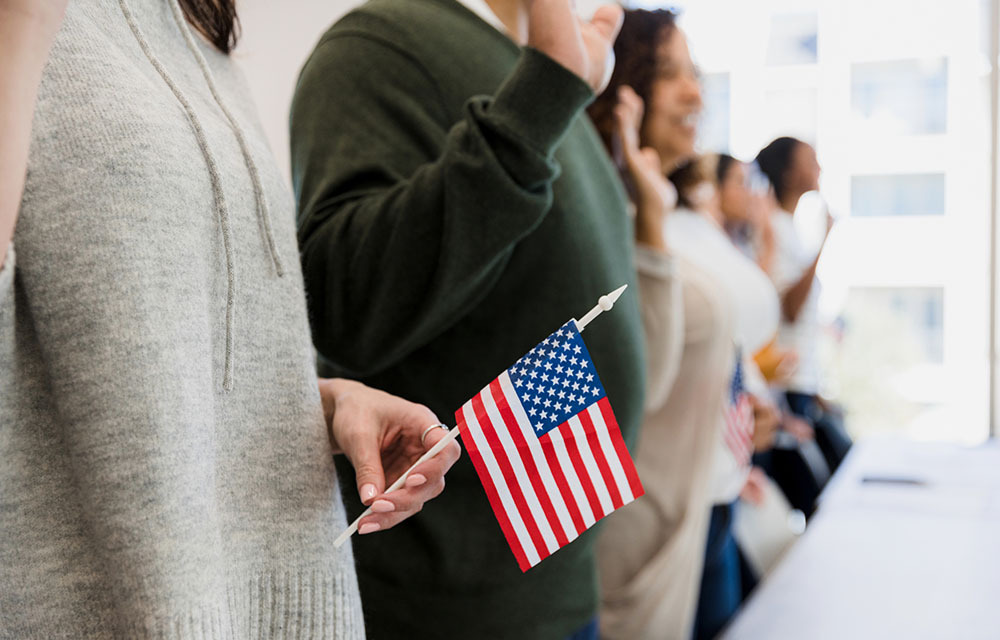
[[736, 384], [556, 380]]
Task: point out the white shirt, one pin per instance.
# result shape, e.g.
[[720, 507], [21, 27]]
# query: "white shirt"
[[481, 9], [791, 259], [756, 308], [701, 241]]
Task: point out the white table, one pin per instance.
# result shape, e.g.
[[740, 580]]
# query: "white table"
[[887, 560]]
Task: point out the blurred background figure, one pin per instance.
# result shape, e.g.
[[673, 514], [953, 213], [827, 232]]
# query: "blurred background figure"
[[745, 206], [650, 553], [745, 203], [791, 167]]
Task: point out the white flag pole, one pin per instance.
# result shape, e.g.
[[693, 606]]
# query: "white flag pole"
[[605, 303], [430, 453]]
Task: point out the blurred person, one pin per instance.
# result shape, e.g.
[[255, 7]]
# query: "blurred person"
[[651, 552], [166, 449], [456, 205], [696, 228], [791, 167], [745, 209], [745, 204]]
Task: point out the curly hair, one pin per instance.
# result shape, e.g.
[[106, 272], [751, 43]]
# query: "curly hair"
[[635, 65]]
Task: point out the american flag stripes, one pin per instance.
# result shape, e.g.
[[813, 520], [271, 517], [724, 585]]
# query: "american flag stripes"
[[738, 431], [547, 448]]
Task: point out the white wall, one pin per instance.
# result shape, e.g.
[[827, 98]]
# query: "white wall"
[[277, 38]]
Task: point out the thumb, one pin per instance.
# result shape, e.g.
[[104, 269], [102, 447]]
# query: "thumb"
[[608, 20], [366, 458]]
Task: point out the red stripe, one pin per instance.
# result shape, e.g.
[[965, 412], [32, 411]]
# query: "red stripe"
[[735, 436], [735, 446], [564, 490], [517, 434], [491, 492], [581, 470], [620, 448], [602, 462], [508, 473]]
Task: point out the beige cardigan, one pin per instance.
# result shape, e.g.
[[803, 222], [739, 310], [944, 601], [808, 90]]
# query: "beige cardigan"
[[651, 552]]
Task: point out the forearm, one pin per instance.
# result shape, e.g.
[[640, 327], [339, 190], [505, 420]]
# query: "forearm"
[[26, 34], [649, 228], [402, 248], [795, 297]]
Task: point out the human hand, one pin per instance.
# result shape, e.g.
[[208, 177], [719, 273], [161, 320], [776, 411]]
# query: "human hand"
[[787, 365], [754, 490], [798, 427], [655, 194], [766, 420], [381, 435], [585, 48]]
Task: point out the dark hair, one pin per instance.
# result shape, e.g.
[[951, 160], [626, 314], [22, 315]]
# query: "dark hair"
[[635, 65], [214, 19], [774, 161], [689, 175], [725, 161]]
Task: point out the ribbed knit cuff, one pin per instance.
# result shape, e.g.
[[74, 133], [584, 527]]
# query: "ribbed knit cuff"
[[654, 263], [293, 605], [539, 101]]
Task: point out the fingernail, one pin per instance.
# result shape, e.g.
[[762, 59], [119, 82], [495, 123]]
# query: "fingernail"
[[415, 480], [369, 527], [383, 506], [368, 492]]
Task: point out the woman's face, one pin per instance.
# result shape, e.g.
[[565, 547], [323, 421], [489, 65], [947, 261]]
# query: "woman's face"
[[674, 103], [804, 170], [734, 193]]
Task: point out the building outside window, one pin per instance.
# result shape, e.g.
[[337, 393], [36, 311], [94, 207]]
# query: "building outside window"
[[893, 94]]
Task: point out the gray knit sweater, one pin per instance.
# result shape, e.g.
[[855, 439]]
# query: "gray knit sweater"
[[164, 465]]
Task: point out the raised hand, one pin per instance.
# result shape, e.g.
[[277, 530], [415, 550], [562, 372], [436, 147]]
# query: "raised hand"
[[655, 195], [585, 48]]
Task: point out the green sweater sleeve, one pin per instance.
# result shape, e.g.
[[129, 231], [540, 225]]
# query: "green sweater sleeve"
[[407, 217]]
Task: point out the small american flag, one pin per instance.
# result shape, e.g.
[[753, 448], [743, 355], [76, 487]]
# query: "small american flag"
[[738, 432], [547, 448]]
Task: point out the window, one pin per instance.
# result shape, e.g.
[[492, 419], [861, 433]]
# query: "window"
[[916, 194], [902, 97], [900, 121], [792, 39], [791, 112], [915, 315], [888, 363], [713, 130]]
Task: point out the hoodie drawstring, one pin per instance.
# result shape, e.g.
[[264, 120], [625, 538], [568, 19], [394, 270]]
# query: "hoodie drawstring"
[[221, 205], [263, 214]]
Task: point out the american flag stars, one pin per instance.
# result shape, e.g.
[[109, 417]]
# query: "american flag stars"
[[549, 452], [554, 372]]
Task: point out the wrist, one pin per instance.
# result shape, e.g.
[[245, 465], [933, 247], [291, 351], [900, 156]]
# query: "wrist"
[[650, 233], [330, 393]]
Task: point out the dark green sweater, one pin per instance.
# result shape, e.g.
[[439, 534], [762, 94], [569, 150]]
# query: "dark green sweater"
[[445, 232]]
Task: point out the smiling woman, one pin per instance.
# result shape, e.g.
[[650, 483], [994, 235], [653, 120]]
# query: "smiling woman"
[[653, 59]]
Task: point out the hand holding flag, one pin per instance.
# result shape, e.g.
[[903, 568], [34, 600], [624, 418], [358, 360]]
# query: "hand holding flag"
[[546, 446]]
